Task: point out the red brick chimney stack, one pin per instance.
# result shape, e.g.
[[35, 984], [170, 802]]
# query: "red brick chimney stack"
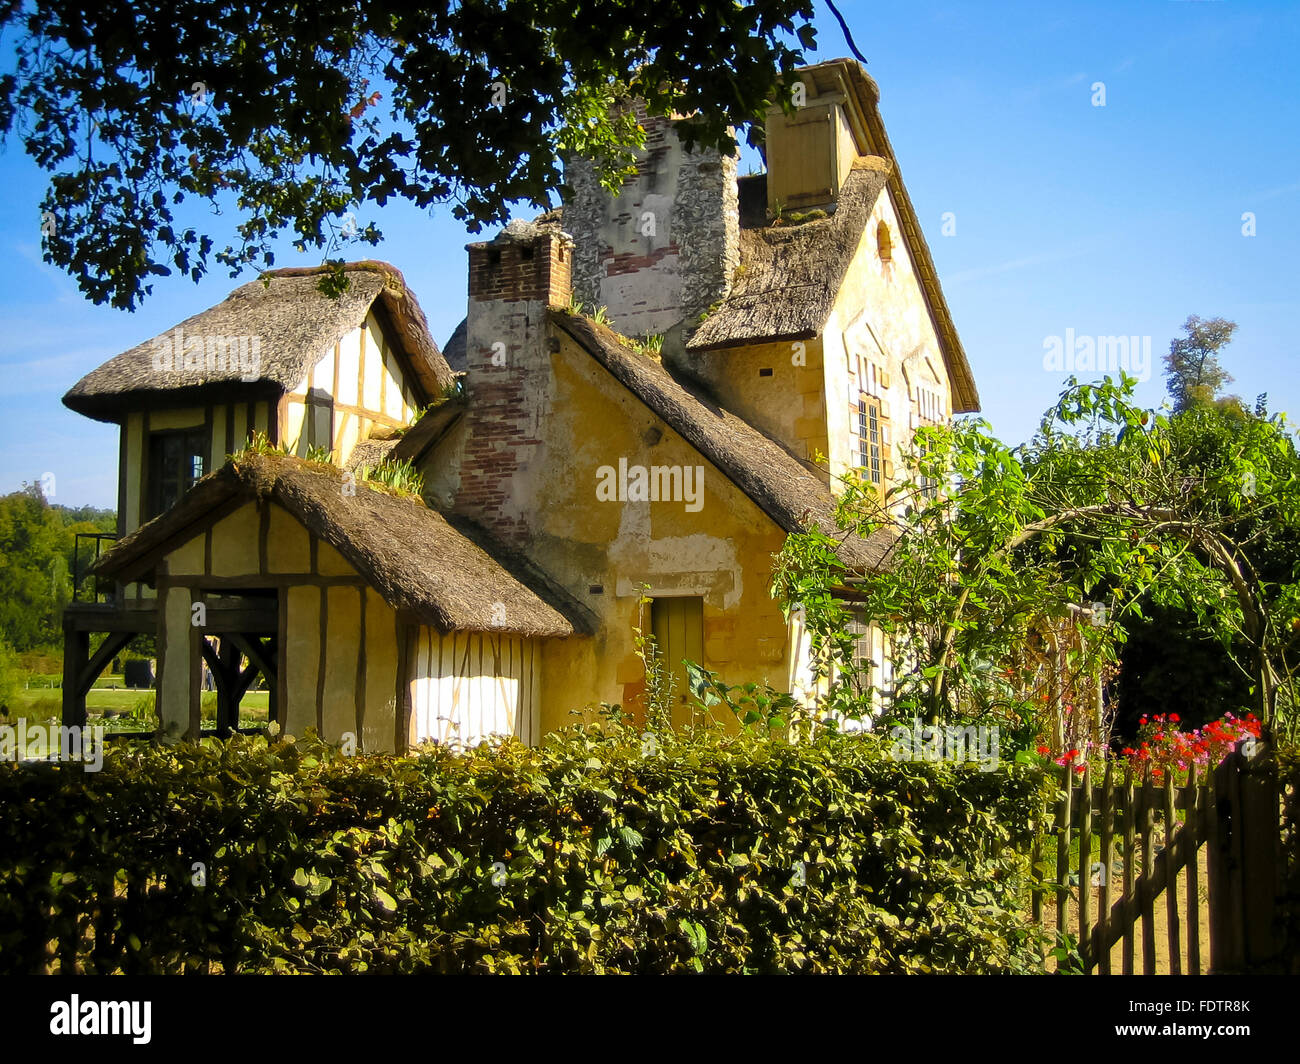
[[512, 281]]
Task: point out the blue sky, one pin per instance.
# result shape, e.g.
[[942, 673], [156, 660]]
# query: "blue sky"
[[1114, 220]]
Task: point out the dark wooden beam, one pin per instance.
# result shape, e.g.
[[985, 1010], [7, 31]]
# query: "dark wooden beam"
[[106, 652], [76, 650], [259, 655], [100, 618]]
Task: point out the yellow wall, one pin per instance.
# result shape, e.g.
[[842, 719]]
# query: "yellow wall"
[[789, 404], [720, 553], [177, 643], [880, 314]]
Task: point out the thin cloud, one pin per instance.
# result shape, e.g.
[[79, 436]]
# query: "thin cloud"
[[1012, 265]]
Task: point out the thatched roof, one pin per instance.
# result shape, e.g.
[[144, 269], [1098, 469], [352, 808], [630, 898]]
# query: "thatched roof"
[[748, 321], [294, 323], [417, 441], [778, 483], [454, 350], [791, 275], [407, 552], [369, 453]]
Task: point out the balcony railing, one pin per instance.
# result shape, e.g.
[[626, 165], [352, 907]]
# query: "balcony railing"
[[83, 557]]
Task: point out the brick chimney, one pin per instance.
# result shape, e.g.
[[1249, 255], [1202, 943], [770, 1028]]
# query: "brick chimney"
[[512, 281]]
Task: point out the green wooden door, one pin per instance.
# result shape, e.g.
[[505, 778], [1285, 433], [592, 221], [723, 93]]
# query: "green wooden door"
[[678, 628]]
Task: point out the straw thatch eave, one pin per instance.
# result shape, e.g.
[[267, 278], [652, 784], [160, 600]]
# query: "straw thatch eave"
[[791, 274], [410, 554], [295, 325], [778, 483]]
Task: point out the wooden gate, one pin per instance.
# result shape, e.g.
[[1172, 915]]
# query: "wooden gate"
[[1174, 861]]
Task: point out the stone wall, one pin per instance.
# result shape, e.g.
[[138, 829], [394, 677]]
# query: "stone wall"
[[664, 249]]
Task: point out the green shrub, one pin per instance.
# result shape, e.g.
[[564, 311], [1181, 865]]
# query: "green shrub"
[[11, 679], [598, 851]]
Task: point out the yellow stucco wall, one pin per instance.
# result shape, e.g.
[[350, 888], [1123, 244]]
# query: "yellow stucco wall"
[[880, 314], [174, 679], [720, 553], [789, 404], [378, 727], [343, 635], [235, 542], [302, 658]]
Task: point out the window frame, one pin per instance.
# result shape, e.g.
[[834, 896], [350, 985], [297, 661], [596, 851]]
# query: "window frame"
[[870, 460], [195, 443]]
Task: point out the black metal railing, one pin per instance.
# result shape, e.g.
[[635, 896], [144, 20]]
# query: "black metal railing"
[[80, 576]]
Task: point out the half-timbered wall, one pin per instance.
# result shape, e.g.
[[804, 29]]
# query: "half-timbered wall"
[[339, 642], [226, 426], [363, 384]]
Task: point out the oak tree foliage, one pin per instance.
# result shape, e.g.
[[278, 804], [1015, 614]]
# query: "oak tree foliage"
[[293, 118]]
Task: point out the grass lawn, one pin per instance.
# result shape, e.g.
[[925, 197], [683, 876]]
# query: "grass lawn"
[[117, 707]]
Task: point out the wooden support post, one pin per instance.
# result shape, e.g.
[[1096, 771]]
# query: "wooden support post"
[[1192, 838], [1148, 901], [1216, 865], [1085, 870], [1260, 836], [76, 654], [273, 658], [1130, 904]]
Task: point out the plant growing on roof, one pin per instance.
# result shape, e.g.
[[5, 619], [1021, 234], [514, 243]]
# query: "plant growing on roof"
[[399, 477]]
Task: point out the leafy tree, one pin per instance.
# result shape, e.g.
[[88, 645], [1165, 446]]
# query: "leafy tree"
[[293, 116], [10, 683], [1192, 367], [1171, 662], [1107, 505], [36, 554]]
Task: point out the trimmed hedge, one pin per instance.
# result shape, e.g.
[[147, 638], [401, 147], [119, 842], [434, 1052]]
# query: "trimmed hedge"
[[590, 853]]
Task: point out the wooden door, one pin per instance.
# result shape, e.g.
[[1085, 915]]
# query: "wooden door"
[[678, 628]]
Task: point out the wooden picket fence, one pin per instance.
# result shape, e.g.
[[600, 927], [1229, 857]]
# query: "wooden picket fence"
[[1134, 837]]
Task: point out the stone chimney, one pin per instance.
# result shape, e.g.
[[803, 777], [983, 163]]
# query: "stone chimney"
[[664, 249], [512, 281]]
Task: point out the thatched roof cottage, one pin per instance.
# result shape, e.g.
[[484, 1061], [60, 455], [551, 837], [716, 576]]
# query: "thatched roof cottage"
[[750, 324]]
